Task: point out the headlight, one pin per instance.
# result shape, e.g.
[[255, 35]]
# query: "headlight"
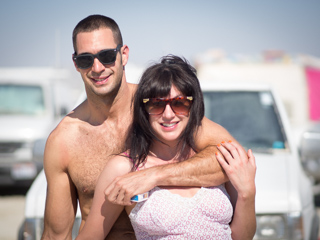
[[24, 153], [279, 227]]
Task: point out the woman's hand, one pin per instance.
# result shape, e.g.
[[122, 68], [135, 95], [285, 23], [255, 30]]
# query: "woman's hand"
[[239, 166], [241, 170]]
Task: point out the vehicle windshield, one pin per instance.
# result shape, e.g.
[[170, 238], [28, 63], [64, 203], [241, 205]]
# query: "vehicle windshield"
[[250, 117], [21, 99]]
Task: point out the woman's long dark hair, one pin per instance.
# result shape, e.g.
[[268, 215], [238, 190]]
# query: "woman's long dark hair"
[[157, 81]]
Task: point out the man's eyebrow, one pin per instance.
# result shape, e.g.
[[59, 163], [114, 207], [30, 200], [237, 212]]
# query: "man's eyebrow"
[[84, 53], [97, 52]]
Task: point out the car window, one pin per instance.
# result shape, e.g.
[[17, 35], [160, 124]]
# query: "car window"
[[21, 99], [250, 117]]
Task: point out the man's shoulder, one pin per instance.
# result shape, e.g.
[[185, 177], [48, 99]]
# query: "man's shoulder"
[[69, 127], [209, 124], [61, 143]]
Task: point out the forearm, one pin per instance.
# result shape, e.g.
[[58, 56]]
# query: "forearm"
[[200, 170], [243, 225]]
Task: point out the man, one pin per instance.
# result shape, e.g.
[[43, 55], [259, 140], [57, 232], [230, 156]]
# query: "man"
[[78, 149]]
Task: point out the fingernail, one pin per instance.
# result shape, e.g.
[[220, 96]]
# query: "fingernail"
[[218, 145], [222, 142], [216, 153], [229, 141]]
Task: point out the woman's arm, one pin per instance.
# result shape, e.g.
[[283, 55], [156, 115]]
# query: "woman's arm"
[[103, 214], [241, 170]]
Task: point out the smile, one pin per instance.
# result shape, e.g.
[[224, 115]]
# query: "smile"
[[101, 79], [168, 124]]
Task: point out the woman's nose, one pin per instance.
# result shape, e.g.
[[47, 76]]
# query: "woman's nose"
[[168, 112]]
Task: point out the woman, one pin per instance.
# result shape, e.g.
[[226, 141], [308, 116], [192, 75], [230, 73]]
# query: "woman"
[[168, 109]]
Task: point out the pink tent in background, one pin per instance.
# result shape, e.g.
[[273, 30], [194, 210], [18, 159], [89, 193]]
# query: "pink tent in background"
[[313, 79]]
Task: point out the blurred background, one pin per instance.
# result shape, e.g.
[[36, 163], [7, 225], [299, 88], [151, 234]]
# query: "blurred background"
[[274, 42]]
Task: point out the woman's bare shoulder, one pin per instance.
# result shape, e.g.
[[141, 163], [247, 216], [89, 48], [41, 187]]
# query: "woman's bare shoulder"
[[119, 163], [117, 166]]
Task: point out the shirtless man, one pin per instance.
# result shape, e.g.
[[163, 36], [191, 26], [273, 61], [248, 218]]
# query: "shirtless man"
[[78, 149]]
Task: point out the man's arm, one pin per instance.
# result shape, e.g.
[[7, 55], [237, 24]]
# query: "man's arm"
[[200, 170], [61, 202]]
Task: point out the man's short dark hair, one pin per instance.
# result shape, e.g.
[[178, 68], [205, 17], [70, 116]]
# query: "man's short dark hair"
[[95, 22]]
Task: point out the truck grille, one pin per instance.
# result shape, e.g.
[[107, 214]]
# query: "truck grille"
[[9, 147]]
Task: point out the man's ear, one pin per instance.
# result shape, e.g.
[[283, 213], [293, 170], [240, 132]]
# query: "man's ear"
[[125, 54]]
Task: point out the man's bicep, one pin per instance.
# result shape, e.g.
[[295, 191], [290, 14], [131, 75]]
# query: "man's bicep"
[[60, 209], [61, 202], [211, 133], [209, 171]]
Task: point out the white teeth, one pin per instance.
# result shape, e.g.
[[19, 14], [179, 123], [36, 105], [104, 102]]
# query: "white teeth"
[[99, 80], [168, 124]]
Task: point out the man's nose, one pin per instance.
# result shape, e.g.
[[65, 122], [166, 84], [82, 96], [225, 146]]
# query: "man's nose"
[[97, 66]]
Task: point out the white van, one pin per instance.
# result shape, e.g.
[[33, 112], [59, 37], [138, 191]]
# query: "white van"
[[29, 110], [255, 116]]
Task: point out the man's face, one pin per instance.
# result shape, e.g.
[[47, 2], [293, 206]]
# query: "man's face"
[[100, 79]]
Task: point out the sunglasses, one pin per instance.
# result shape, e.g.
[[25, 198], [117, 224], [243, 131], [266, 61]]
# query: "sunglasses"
[[107, 56], [179, 105]]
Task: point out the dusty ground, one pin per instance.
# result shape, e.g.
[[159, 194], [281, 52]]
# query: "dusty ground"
[[11, 213]]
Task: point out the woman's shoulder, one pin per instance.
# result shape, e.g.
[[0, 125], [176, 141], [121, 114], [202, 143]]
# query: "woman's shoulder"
[[119, 165]]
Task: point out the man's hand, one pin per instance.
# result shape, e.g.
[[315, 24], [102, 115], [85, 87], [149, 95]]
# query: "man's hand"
[[123, 188]]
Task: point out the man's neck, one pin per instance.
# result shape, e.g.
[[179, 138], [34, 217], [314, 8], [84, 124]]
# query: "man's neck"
[[104, 108]]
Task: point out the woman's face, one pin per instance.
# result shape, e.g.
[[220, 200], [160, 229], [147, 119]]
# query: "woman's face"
[[169, 126]]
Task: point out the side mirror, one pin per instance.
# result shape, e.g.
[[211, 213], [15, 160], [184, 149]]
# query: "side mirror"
[[38, 149], [310, 153]]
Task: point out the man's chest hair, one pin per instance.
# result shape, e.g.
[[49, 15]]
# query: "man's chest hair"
[[89, 158]]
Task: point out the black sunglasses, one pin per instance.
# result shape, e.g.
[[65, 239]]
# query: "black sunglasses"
[[107, 56], [179, 105]]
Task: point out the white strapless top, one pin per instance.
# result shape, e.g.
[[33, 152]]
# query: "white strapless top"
[[170, 216]]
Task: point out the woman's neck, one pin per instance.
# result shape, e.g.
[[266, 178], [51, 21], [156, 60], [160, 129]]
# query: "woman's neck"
[[170, 153]]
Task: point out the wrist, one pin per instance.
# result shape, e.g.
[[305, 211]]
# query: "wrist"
[[160, 176], [247, 195]]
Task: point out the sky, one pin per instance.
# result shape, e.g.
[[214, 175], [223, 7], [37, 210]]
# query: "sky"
[[37, 33]]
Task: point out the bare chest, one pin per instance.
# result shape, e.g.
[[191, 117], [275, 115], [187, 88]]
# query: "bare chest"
[[91, 152]]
